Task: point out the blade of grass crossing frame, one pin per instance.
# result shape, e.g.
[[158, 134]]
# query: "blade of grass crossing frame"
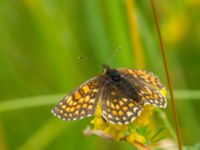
[[168, 76]]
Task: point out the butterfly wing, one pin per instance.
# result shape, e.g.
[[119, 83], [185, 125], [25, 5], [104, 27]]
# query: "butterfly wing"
[[144, 76], [116, 108], [148, 86], [81, 102]]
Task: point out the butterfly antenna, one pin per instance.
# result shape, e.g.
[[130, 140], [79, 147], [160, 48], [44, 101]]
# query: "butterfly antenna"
[[113, 55], [91, 60]]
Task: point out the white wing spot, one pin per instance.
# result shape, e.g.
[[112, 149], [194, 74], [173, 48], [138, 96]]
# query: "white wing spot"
[[146, 103], [132, 119], [127, 122], [135, 109]]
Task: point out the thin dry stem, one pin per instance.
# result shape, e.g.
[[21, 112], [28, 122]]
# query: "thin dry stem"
[[141, 146], [167, 75], [88, 131]]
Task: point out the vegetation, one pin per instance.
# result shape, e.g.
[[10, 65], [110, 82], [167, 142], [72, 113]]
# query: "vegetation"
[[39, 46]]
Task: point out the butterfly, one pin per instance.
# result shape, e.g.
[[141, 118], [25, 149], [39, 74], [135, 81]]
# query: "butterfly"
[[122, 94]]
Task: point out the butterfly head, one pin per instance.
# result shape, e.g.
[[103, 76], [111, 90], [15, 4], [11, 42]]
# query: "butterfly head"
[[111, 73], [108, 70], [105, 66]]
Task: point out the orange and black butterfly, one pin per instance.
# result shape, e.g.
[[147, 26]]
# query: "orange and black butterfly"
[[121, 93]]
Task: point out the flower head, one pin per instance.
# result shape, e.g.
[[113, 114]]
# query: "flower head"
[[132, 133]]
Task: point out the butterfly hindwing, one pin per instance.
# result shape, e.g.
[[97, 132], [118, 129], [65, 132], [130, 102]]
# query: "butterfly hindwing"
[[80, 103], [148, 86], [117, 109], [150, 96]]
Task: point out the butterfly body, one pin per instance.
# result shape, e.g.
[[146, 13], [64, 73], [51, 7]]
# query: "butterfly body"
[[122, 94], [122, 85]]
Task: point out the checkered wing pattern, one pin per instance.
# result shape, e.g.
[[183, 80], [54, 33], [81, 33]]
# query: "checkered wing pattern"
[[148, 86], [117, 109], [80, 103]]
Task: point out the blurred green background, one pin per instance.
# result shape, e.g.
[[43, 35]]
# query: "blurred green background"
[[40, 41]]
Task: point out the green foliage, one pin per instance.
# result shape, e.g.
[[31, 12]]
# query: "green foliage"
[[195, 147], [39, 46]]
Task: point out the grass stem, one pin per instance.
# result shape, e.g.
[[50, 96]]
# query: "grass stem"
[[167, 75]]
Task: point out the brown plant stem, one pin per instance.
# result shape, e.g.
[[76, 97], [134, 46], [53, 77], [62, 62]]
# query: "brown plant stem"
[[141, 146], [167, 75]]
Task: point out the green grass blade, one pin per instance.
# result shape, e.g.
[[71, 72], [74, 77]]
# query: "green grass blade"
[[8, 105], [45, 135], [28, 102]]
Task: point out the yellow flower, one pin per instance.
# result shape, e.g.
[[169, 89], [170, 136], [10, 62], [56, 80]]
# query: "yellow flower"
[[122, 132], [117, 132], [176, 28], [143, 119], [134, 136], [128, 132]]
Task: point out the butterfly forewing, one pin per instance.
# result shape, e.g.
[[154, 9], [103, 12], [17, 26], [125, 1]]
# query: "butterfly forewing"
[[118, 109], [143, 76], [148, 86], [81, 102]]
